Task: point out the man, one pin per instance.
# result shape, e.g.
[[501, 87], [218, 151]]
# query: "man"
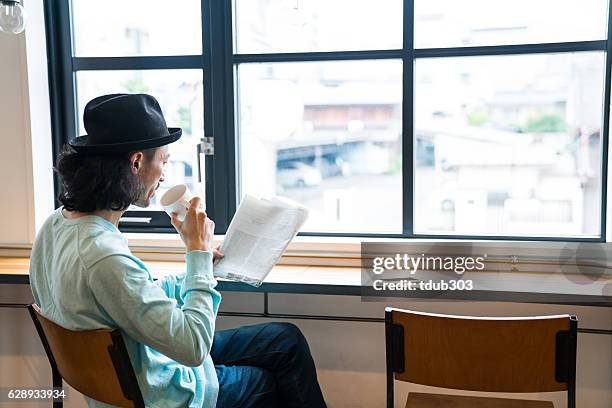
[[83, 276]]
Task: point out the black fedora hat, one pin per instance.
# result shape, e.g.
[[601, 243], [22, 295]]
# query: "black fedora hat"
[[120, 123]]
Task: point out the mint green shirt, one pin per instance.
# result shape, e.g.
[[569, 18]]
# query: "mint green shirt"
[[83, 276]]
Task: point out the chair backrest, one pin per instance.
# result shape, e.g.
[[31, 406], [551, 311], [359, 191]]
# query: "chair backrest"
[[505, 354], [94, 362]]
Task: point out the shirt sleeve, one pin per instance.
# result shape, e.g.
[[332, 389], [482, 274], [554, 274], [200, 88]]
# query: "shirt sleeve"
[[145, 312], [171, 285]]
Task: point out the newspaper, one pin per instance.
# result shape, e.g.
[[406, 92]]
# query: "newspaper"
[[257, 237]]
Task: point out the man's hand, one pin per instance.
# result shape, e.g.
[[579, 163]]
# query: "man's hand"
[[197, 230], [217, 254]]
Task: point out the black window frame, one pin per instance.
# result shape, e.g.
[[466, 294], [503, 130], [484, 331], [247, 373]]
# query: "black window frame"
[[219, 65]]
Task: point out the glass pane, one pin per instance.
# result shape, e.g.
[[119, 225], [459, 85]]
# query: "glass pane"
[[180, 96], [265, 26], [328, 136], [509, 145], [452, 23], [136, 27]]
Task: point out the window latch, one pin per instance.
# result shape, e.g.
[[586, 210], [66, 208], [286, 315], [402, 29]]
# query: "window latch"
[[207, 146]]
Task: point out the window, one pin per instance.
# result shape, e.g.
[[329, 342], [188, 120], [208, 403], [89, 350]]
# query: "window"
[[328, 135], [115, 28], [480, 119], [114, 48], [515, 142], [289, 26], [468, 23]]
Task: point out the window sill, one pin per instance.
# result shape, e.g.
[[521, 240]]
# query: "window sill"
[[505, 256]]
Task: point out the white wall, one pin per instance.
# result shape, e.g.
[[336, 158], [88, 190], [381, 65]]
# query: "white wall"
[[25, 131], [349, 356], [15, 217]]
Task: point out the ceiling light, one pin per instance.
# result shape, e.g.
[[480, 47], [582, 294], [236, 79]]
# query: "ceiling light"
[[12, 17]]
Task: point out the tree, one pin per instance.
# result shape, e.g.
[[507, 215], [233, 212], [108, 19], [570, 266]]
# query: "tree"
[[184, 119], [545, 123], [136, 84]]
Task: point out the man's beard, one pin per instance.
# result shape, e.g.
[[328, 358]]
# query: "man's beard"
[[143, 196]]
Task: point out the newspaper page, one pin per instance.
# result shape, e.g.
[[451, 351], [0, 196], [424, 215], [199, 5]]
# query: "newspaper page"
[[257, 237]]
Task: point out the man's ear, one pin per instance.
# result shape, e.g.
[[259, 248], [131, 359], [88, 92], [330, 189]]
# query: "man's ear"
[[136, 162]]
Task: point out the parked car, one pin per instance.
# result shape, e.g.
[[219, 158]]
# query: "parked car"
[[334, 166], [297, 174]]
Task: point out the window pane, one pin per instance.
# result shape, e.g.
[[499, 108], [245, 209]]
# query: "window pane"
[[328, 136], [180, 96], [136, 27], [509, 145], [264, 26], [452, 23]]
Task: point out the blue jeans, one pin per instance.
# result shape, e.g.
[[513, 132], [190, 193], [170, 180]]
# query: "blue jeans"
[[265, 365]]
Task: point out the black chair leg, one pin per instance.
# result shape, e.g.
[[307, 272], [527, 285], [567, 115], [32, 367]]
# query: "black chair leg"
[[57, 385]]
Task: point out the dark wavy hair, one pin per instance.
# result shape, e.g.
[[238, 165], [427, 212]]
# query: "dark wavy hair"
[[97, 182]]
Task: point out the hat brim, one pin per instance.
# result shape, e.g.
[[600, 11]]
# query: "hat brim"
[[81, 144]]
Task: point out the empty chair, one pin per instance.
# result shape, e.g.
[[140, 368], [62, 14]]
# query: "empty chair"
[[505, 354], [94, 362]]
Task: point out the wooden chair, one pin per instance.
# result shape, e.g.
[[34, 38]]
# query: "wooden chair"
[[510, 355], [94, 362]]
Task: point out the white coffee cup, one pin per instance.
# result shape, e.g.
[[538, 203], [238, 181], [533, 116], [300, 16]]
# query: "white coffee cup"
[[176, 200]]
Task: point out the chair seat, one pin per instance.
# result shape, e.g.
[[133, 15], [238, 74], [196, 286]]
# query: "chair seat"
[[421, 400]]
